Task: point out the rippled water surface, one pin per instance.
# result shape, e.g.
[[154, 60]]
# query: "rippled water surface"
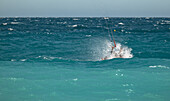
[[59, 59]]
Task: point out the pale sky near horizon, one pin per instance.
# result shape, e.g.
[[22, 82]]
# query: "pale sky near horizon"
[[85, 8]]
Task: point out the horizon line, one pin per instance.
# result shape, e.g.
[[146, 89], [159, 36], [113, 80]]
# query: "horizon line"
[[84, 16]]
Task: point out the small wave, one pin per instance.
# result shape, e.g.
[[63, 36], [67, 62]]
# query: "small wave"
[[147, 18], [88, 35], [121, 23], [15, 23], [75, 79], [4, 24], [155, 25], [10, 29], [167, 22], [75, 19], [23, 59], [74, 25], [18, 60], [159, 66], [114, 99], [46, 57], [14, 79], [77, 26], [13, 60], [106, 18], [62, 22], [164, 23]]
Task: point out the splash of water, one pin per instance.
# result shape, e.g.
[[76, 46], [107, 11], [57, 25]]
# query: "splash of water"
[[119, 51]]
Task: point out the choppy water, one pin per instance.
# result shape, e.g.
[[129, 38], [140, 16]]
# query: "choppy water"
[[59, 59]]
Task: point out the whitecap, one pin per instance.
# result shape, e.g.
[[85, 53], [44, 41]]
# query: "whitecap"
[[152, 66], [75, 19], [167, 21], [162, 23], [45, 57], [13, 60], [64, 22], [121, 23], [98, 26], [10, 29], [88, 35], [106, 18], [122, 30], [74, 25], [15, 23], [155, 25], [4, 24], [129, 91], [23, 59], [75, 79], [159, 66], [125, 85], [14, 79], [147, 18], [10, 33], [114, 99], [61, 22]]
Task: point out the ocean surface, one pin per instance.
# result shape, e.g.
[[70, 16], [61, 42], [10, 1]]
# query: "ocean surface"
[[60, 59]]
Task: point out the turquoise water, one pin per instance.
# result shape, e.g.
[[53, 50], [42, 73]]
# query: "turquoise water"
[[59, 59]]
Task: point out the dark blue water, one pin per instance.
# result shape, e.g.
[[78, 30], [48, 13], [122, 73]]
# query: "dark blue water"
[[47, 59]]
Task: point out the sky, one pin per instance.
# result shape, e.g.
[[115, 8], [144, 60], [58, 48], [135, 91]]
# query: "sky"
[[85, 8]]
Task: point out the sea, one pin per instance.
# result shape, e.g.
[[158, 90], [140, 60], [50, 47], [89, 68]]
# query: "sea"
[[60, 59]]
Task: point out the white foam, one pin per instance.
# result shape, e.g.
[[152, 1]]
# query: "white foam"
[[155, 25], [10, 33], [15, 23], [4, 24], [75, 19], [88, 35], [114, 99], [121, 52], [62, 22], [162, 23], [14, 79], [118, 52], [46, 57], [74, 25], [13, 60], [167, 21], [75, 79], [121, 23], [23, 59], [122, 30], [10, 29], [129, 91], [159, 66], [106, 18]]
